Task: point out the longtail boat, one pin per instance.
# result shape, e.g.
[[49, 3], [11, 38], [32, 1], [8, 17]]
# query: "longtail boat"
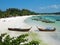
[[19, 29], [46, 29]]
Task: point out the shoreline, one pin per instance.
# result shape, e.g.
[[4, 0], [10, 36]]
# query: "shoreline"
[[19, 22]]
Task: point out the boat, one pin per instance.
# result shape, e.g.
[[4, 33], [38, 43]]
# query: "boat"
[[46, 29], [19, 29], [48, 21]]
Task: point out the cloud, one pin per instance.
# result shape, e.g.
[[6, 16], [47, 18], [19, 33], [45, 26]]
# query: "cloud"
[[42, 7], [51, 6], [55, 6]]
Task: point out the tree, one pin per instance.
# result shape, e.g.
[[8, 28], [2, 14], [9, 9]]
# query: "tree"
[[1, 14], [13, 11], [16, 12]]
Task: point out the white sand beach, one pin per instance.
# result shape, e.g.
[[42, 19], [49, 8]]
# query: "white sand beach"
[[18, 21]]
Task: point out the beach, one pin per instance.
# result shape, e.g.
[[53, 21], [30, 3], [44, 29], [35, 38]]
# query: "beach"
[[18, 21]]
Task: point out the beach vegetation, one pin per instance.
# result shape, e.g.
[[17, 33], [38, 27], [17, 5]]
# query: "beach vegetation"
[[5, 39], [20, 12], [16, 12]]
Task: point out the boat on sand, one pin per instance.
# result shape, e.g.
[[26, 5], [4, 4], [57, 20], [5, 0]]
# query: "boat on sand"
[[19, 29], [46, 29]]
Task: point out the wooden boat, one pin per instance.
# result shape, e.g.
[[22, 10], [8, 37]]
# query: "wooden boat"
[[57, 19], [42, 29], [19, 29], [48, 21]]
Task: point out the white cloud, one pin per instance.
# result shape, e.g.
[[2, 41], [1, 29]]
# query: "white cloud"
[[51, 6], [42, 7], [55, 6]]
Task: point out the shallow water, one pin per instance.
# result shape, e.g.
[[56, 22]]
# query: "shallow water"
[[55, 35]]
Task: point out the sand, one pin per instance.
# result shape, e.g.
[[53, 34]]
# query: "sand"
[[18, 21]]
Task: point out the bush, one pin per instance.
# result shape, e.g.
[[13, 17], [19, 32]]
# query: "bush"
[[15, 40]]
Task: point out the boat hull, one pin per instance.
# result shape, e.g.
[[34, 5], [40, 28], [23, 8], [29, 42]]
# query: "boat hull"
[[18, 29], [46, 29]]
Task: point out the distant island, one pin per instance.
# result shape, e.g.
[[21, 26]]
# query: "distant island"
[[55, 13], [17, 12]]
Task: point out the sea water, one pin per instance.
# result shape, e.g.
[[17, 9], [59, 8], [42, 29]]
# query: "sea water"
[[55, 35]]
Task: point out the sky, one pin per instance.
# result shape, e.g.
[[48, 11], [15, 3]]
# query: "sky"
[[40, 6]]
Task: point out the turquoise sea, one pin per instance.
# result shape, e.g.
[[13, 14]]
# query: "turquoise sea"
[[37, 21]]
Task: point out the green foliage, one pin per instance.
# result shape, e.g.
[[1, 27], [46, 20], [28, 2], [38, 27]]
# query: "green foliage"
[[32, 43], [15, 40], [2, 35], [12, 41], [15, 12]]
